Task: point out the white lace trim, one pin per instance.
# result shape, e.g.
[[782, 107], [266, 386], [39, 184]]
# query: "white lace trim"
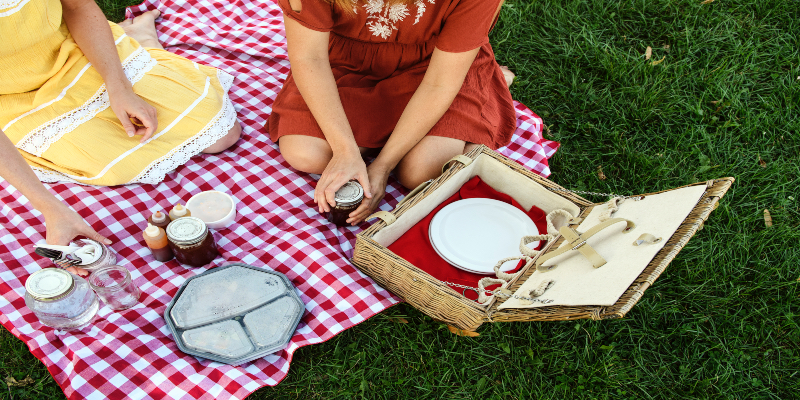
[[8, 3], [50, 176], [40, 139], [60, 95], [5, 4], [154, 173], [216, 129]]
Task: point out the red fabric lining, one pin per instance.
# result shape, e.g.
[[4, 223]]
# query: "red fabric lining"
[[415, 247]]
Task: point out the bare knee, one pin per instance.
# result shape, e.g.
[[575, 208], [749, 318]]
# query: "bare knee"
[[411, 178], [425, 160], [226, 141], [305, 153]]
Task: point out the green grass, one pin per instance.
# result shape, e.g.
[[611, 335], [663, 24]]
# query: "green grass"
[[722, 321]]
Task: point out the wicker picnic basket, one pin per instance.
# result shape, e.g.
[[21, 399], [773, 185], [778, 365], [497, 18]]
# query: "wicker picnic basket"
[[443, 303]]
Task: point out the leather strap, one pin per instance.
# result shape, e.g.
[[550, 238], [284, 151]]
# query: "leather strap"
[[646, 238], [459, 158], [577, 241], [386, 216]]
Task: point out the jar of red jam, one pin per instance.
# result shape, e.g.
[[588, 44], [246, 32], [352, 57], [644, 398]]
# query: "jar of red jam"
[[191, 242], [348, 198]]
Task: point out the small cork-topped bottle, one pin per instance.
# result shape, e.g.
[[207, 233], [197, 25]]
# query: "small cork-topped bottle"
[[156, 240], [348, 198], [159, 219], [179, 211]]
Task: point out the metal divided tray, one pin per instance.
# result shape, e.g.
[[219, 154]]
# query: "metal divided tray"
[[234, 314]]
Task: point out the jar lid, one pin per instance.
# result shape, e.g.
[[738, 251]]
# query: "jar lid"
[[187, 230], [350, 194], [49, 284]]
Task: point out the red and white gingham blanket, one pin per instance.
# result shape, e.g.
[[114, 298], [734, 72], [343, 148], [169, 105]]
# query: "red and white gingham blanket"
[[131, 354]]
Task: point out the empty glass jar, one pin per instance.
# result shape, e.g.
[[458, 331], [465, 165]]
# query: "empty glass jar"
[[60, 299], [115, 287]]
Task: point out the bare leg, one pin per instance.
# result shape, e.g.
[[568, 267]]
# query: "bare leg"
[[226, 141], [508, 75], [425, 160], [307, 153], [143, 29]]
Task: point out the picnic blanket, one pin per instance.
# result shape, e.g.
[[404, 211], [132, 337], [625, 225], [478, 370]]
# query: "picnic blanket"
[[131, 354]]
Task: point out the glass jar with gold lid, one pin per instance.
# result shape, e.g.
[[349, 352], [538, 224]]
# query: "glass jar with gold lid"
[[191, 241]]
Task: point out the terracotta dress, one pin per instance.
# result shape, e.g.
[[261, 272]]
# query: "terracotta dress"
[[379, 57]]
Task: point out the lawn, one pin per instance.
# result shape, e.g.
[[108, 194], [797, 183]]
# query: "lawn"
[[719, 96]]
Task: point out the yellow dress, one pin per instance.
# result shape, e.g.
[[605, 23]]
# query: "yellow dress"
[[55, 108]]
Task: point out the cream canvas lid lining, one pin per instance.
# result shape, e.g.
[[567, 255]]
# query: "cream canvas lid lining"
[[577, 283]]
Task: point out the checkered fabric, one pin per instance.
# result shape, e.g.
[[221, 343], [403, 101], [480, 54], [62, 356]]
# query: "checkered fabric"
[[131, 354]]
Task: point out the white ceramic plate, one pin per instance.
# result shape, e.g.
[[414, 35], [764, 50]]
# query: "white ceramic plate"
[[445, 258], [473, 234]]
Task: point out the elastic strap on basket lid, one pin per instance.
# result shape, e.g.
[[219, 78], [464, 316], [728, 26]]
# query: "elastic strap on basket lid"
[[577, 241]]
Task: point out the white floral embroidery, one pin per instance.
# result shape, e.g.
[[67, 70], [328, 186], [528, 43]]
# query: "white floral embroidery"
[[421, 9], [382, 19]]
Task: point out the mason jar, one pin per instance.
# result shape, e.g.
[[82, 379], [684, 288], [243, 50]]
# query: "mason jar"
[[191, 242], [60, 299], [347, 198]]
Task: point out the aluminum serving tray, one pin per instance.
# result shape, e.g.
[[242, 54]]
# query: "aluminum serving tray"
[[234, 314]]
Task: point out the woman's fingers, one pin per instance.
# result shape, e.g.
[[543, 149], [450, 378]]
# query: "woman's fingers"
[[92, 234], [319, 192], [359, 213], [330, 191], [78, 271], [127, 125], [147, 118], [363, 179]]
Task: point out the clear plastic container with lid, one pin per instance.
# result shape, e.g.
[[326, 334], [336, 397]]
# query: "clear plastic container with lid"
[[234, 314], [94, 255], [191, 242], [61, 300], [348, 198]]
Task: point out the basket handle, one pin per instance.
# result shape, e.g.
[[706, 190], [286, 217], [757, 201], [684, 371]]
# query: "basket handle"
[[457, 158], [577, 241], [389, 218], [386, 216]]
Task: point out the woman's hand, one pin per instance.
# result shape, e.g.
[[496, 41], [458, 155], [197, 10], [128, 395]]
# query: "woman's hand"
[[342, 168], [63, 225], [378, 176], [137, 117]]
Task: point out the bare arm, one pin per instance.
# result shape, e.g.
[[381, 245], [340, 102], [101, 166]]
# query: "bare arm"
[[91, 32], [443, 79], [311, 68], [63, 224], [439, 87]]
